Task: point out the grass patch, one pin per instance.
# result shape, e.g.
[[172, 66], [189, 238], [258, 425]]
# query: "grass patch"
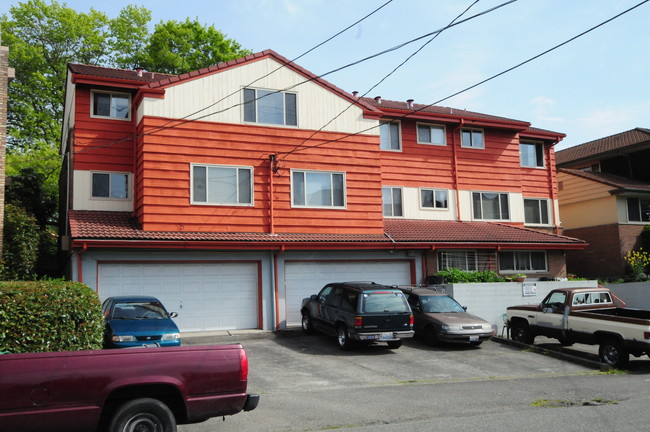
[[559, 403]]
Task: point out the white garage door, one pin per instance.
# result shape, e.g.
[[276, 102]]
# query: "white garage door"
[[303, 279], [207, 296]]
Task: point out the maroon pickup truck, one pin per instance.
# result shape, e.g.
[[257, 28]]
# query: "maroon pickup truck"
[[144, 389]]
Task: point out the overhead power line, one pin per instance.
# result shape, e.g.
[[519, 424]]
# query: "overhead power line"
[[510, 69], [413, 54], [185, 120]]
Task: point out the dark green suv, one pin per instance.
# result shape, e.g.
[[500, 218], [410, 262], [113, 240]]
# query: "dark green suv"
[[359, 311]]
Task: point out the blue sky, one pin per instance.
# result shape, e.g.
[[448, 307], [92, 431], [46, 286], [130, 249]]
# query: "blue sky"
[[595, 86]]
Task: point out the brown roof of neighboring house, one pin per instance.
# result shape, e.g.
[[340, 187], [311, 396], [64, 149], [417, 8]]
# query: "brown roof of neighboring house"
[[102, 225], [117, 74], [619, 183], [603, 146]]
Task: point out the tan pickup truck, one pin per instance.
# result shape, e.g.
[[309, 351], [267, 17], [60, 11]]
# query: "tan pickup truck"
[[585, 315]]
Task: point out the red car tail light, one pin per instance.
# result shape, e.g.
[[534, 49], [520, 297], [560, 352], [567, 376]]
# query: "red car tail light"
[[411, 320], [646, 335], [243, 364], [358, 321]]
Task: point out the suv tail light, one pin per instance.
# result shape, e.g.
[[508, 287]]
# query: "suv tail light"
[[358, 321], [646, 335], [411, 320]]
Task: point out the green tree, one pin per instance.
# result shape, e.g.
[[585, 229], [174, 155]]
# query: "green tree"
[[21, 243], [178, 47], [43, 38]]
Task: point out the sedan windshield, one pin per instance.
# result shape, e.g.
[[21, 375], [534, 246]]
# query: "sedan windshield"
[[440, 304], [139, 310]]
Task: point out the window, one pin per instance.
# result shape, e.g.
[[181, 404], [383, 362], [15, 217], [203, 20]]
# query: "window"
[[462, 260], [536, 211], [270, 107], [222, 185], [522, 261], [638, 210], [531, 154], [111, 105], [431, 134], [110, 185], [392, 198], [472, 138], [318, 189], [490, 205], [433, 198], [389, 136]]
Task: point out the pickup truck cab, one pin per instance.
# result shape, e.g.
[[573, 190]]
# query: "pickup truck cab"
[[359, 311], [584, 315], [138, 389]]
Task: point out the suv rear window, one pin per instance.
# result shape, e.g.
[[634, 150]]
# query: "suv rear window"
[[384, 301]]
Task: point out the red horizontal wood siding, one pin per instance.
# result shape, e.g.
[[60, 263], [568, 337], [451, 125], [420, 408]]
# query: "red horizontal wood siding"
[[100, 144], [497, 167], [162, 198]]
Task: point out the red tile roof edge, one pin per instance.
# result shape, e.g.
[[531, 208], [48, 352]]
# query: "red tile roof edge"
[[97, 225]]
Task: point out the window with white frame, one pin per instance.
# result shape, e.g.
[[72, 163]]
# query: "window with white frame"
[[318, 189], [110, 185], [522, 261], [222, 185], [111, 105], [433, 198], [389, 137], [472, 138], [461, 260], [490, 205], [431, 134], [536, 211], [638, 210], [270, 107], [392, 200], [531, 154]]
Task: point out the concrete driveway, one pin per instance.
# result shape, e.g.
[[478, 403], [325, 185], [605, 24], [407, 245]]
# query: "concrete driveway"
[[308, 384]]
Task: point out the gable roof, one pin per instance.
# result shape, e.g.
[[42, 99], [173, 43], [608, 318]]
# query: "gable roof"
[[89, 226], [626, 142], [620, 184], [152, 80]]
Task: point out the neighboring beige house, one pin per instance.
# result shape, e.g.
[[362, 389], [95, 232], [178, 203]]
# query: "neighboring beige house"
[[604, 194]]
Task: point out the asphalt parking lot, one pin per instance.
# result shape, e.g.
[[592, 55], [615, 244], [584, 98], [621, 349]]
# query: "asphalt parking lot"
[[307, 383]]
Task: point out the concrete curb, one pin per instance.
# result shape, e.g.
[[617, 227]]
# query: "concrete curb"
[[555, 354]]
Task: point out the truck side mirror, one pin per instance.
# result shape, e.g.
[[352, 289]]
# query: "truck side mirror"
[[173, 314]]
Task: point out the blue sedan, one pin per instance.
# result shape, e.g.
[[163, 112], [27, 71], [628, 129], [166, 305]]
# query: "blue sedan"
[[135, 321]]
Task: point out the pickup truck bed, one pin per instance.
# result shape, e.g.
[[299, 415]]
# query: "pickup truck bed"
[[81, 390]]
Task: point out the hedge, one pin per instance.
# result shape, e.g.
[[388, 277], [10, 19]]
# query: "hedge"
[[53, 315]]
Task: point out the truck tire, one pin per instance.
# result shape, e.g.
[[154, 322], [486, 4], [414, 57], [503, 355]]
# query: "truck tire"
[[394, 344], [307, 324], [612, 353], [521, 332], [343, 338], [143, 415]]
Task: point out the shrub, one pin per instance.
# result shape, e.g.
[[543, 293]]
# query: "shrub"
[[453, 275], [50, 315]]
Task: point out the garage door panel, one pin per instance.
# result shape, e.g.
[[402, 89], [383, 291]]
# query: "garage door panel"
[[303, 279], [207, 296]]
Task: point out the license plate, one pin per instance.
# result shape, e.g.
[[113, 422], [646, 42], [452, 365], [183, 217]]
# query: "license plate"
[[386, 336], [473, 338]]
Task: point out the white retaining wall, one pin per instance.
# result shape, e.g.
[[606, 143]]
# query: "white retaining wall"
[[634, 294]]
